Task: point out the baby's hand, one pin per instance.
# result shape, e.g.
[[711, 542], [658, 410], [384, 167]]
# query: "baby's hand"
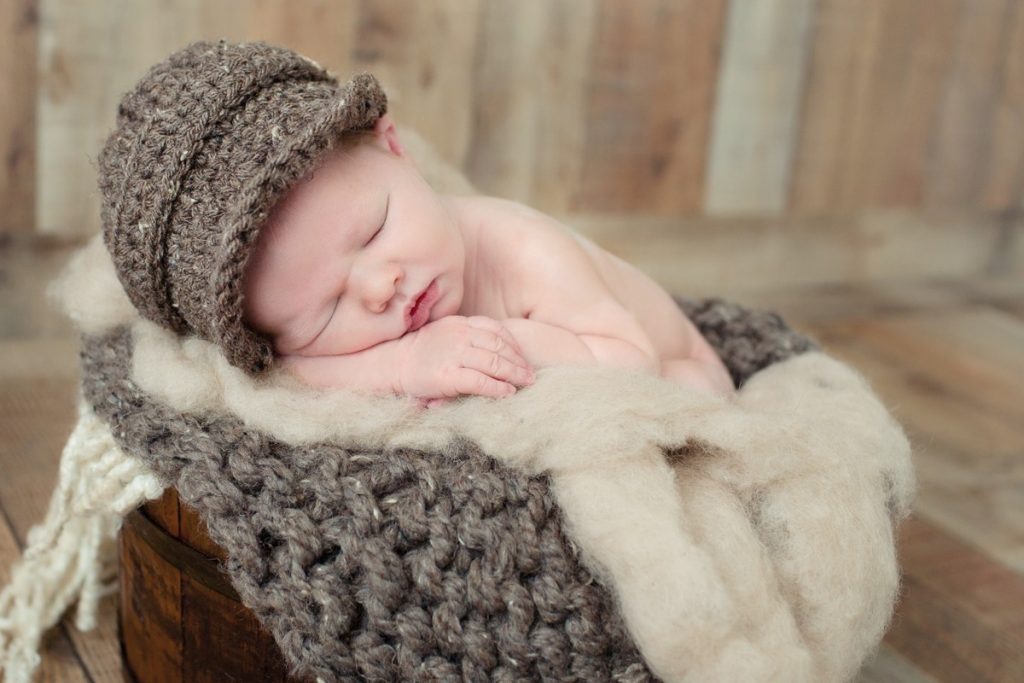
[[459, 355]]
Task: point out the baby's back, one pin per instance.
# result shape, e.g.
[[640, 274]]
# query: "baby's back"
[[654, 309], [652, 306]]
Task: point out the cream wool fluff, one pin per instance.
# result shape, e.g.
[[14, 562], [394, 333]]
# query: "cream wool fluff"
[[764, 551]]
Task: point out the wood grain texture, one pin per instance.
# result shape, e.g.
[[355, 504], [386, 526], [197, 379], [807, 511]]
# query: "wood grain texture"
[[757, 106], [963, 574], [527, 132], [658, 107], [85, 69], [1003, 294], [889, 666], [83, 74], [180, 617], [873, 104], [19, 23], [649, 106], [164, 512], [561, 134], [36, 412], [36, 415], [963, 136], [151, 619], [510, 60], [98, 650], [950, 643], [717, 256], [1004, 183], [835, 104], [913, 55], [960, 616], [62, 664], [224, 642], [192, 531]]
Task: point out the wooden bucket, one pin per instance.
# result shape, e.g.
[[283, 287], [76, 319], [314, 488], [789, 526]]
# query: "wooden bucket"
[[180, 620]]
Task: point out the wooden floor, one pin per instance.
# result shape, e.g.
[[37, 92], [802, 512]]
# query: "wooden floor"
[[947, 358]]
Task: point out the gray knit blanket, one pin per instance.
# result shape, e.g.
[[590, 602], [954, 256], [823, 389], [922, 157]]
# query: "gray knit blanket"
[[599, 525]]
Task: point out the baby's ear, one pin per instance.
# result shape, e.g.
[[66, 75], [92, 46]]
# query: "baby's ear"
[[386, 131]]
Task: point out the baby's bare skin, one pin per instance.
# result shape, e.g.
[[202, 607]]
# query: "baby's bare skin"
[[654, 320], [346, 253]]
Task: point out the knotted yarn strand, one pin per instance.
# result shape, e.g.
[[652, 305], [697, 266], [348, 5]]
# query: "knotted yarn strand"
[[71, 555]]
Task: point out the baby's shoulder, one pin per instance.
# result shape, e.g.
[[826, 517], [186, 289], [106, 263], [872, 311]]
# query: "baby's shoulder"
[[515, 240], [541, 252], [516, 229]]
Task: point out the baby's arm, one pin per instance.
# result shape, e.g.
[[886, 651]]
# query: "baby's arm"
[[701, 368], [373, 370], [544, 344], [453, 356]]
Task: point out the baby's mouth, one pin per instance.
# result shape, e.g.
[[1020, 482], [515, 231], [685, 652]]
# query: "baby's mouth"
[[417, 304]]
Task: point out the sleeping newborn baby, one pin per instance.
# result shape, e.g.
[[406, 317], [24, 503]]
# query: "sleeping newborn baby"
[[365, 278]]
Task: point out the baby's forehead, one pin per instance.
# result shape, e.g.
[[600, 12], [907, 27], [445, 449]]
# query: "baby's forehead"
[[332, 205], [315, 197]]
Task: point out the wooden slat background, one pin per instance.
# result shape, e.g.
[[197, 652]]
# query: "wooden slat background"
[[18, 33], [757, 111], [697, 112]]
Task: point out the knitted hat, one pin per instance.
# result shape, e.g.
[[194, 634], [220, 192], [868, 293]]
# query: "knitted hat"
[[205, 144]]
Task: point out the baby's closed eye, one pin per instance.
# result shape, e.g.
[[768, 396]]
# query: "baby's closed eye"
[[387, 207]]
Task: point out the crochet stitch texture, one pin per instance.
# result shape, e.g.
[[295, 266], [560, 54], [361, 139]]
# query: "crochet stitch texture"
[[399, 565]]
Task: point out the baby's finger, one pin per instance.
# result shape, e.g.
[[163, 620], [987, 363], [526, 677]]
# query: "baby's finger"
[[500, 344], [469, 381], [491, 325], [510, 339], [497, 366]]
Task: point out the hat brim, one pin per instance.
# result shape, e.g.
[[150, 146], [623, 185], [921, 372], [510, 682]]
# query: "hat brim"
[[359, 104]]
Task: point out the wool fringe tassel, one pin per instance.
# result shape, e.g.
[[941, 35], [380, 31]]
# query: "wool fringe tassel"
[[72, 555]]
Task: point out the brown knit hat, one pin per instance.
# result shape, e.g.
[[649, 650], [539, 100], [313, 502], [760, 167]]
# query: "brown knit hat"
[[205, 144]]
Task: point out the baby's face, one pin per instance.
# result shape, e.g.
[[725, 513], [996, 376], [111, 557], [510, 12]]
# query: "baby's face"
[[345, 254]]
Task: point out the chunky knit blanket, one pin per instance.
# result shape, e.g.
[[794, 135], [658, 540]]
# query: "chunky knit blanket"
[[601, 524], [598, 525]]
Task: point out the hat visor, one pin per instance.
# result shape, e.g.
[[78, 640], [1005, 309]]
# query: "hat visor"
[[287, 165]]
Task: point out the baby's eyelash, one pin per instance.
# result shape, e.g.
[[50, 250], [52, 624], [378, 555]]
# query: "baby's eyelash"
[[334, 309], [387, 206], [375, 234]]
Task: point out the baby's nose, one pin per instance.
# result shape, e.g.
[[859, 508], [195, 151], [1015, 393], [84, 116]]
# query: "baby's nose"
[[385, 291], [378, 303]]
